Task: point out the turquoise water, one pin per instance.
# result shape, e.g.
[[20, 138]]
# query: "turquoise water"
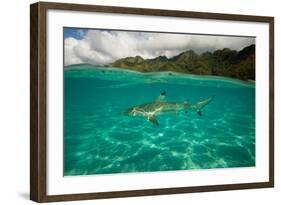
[[100, 139]]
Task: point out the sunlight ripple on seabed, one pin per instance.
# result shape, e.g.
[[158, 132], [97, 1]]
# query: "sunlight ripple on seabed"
[[100, 139]]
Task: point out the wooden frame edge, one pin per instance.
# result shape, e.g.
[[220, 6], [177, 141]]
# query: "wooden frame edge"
[[34, 191], [38, 93], [37, 102], [154, 192], [153, 12], [271, 100]]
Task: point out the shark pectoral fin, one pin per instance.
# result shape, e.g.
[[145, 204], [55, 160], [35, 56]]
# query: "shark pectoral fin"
[[199, 112], [152, 119]]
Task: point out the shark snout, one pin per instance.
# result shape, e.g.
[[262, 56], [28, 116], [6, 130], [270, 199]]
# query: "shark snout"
[[129, 112], [126, 112]]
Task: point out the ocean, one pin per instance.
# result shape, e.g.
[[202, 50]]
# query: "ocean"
[[100, 139]]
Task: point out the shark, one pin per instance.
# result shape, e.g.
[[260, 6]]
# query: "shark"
[[160, 106]]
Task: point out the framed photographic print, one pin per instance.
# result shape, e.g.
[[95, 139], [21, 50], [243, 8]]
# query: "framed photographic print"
[[134, 102]]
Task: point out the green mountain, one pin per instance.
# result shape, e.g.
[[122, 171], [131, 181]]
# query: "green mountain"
[[224, 62]]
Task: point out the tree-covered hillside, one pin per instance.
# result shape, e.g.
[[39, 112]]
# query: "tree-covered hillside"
[[225, 62]]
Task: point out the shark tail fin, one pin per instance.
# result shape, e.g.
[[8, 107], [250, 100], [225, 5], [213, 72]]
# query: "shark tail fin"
[[200, 105]]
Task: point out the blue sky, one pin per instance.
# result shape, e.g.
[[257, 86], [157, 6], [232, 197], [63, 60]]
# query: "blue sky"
[[77, 33]]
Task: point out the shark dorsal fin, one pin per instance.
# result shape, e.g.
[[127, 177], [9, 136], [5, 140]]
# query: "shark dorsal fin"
[[161, 97]]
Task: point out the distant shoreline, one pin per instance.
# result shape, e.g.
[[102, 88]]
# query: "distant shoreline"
[[225, 62]]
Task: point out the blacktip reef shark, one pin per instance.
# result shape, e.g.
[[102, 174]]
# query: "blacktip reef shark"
[[160, 106]]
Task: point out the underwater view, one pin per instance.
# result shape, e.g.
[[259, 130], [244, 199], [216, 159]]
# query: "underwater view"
[[101, 138], [138, 101]]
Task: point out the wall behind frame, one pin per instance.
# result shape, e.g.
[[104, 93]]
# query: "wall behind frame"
[[14, 103]]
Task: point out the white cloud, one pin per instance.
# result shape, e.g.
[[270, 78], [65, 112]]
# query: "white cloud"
[[103, 47], [70, 56]]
